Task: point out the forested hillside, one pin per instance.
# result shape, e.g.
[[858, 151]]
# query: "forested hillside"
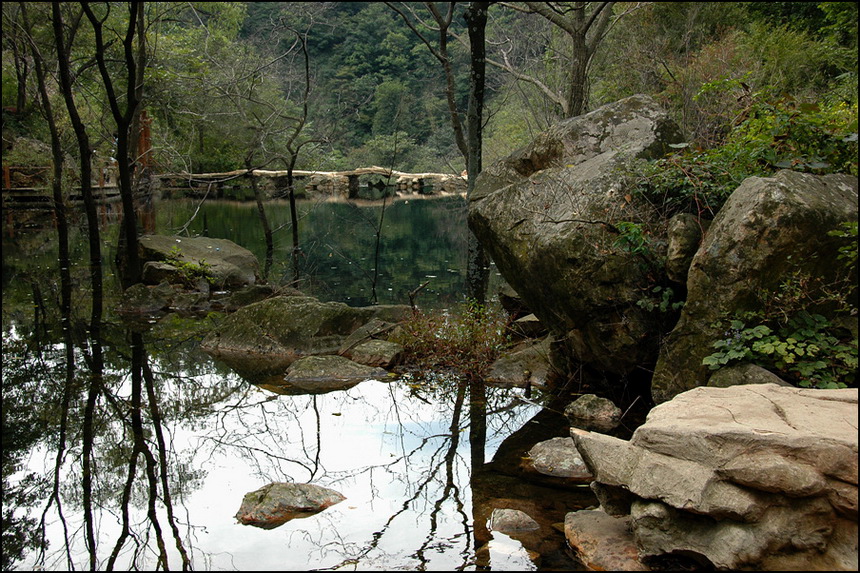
[[337, 85]]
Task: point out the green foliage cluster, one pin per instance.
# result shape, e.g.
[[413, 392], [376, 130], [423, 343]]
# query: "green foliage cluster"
[[466, 343], [808, 350], [768, 136], [190, 272], [662, 299], [225, 80], [633, 238], [788, 336]]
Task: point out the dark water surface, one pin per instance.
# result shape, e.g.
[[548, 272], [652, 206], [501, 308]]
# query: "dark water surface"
[[420, 239], [422, 461]]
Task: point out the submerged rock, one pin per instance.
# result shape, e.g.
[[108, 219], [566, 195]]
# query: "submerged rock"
[[322, 374], [264, 338], [277, 503], [511, 521]]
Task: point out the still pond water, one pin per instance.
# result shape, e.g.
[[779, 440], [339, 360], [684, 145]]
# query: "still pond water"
[[421, 462]]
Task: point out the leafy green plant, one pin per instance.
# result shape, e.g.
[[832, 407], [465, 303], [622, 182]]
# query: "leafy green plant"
[[788, 336], [848, 251], [661, 299], [805, 351], [190, 272], [766, 136], [633, 238]]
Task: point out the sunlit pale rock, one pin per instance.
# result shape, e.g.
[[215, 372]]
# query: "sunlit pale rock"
[[746, 477]]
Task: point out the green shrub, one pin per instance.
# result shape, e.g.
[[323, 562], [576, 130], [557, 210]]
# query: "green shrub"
[[808, 351], [767, 136]]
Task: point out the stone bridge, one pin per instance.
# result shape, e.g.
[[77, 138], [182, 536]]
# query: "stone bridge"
[[345, 184]]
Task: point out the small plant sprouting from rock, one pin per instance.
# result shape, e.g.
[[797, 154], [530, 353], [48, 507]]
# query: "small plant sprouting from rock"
[[661, 299], [190, 272]]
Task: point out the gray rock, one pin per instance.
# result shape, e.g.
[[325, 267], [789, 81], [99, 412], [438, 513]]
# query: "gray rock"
[[528, 364], [511, 521], [558, 457], [591, 412], [322, 374], [685, 234], [276, 503], [744, 374], [264, 338], [769, 228], [548, 213], [140, 299], [380, 353], [229, 265]]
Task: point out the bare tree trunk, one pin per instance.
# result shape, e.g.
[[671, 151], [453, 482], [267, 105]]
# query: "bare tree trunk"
[[126, 141], [96, 381], [477, 262]]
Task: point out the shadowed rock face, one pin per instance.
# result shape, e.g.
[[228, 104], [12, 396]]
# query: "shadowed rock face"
[[277, 503], [549, 215]]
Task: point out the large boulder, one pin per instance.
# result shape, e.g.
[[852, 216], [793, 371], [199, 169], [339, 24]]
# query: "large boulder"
[[759, 477], [182, 259], [769, 228], [552, 217], [264, 338]]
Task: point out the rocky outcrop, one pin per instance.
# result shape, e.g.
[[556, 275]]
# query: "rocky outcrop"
[[277, 503], [768, 229], [263, 339], [184, 259], [558, 457], [550, 215], [746, 477], [602, 542], [529, 364]]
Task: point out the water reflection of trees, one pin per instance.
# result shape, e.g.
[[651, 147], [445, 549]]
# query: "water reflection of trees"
[[430, 469], [411, 469], [106, 446], [130, 417]]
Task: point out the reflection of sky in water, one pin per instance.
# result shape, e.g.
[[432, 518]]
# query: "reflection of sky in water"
[[376, 443]]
